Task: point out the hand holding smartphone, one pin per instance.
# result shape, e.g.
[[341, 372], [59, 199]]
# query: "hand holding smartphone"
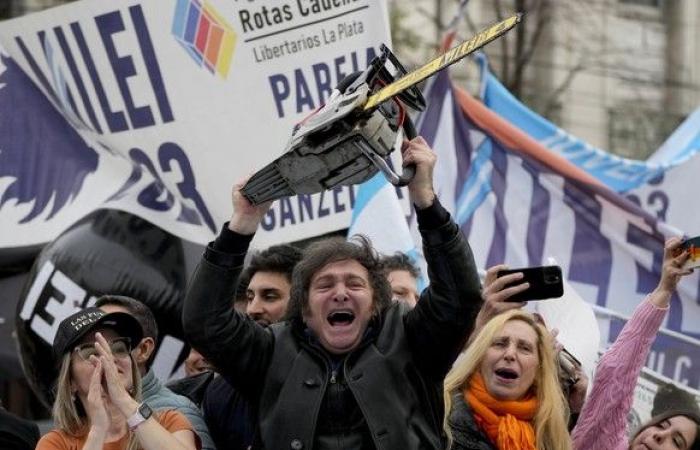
[[545, 282], [692, 246]]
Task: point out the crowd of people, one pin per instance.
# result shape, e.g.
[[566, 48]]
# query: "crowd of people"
[[334, 347]]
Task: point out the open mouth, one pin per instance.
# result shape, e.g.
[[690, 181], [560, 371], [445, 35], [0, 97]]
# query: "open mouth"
[[341, 318], [507, 374]]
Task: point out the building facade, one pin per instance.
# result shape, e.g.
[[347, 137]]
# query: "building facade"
[[619, 74]]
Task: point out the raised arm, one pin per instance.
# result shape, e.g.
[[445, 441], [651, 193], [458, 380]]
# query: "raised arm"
[[602, 422], [233, 343], [444, 316]]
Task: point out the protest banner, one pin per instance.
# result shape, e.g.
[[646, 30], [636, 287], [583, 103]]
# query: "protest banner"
[[156, 108]]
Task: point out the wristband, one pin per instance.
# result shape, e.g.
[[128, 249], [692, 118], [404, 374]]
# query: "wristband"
[[142, 414]]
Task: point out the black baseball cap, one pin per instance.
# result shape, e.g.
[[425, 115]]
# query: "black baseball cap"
[[72, 329]]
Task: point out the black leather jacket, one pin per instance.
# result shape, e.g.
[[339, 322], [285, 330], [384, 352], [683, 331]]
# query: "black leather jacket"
[[386, 394], [466, 435]]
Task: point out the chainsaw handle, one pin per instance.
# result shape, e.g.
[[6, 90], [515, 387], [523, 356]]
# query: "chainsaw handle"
[[409, 132]]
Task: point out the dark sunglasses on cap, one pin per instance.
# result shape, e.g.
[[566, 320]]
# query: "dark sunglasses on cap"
[[120, 347]]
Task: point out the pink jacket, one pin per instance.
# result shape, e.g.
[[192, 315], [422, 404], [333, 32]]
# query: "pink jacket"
[[602, 423]]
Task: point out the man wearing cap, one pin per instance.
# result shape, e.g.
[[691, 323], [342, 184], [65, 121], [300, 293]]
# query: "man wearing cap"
[[348, 369]]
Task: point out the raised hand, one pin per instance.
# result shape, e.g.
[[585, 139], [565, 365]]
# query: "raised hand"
[[94, 402], [117, 389], [494, 293], [416, 151], [246, 216], [672, 269]]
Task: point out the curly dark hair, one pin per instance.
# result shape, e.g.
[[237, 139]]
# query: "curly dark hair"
[[324, 252], [277, 258], [400, 261]]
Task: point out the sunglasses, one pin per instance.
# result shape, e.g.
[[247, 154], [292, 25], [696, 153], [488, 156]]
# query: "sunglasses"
[[120, 347]]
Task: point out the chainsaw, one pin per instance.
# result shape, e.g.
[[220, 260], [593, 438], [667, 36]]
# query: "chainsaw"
[[349, 139]]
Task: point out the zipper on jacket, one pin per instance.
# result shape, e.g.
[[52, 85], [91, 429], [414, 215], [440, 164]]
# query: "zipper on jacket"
[[334, 374]]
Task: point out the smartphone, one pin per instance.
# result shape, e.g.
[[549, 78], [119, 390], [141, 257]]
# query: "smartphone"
[[568, 366], [692, 245], [545, 282]]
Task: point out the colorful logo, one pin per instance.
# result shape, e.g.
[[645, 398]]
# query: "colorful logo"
[[206, 36]]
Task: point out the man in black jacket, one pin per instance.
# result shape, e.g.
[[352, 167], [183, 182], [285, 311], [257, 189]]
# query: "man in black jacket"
[[347, 369], [226, 411]]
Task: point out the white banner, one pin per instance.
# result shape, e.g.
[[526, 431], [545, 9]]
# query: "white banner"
[[157, 107]]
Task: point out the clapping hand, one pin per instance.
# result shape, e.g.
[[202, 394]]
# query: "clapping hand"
[[95, 405]]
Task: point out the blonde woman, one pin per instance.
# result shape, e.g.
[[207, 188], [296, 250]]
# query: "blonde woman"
[[504, 392], [98, 391]]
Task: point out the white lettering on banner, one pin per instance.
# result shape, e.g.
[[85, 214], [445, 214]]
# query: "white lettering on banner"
[[53, 296], [64, 299], [656, 361], [30, 301], [682, 363]]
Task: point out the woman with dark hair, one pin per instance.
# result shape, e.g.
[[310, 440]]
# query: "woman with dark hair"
[[602, 423], [98, 392], [673, 429]]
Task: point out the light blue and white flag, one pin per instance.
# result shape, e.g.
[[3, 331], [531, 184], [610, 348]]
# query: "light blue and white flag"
[[619, 174], [662, 185], [682, 144], [378, 214], [519, 203]]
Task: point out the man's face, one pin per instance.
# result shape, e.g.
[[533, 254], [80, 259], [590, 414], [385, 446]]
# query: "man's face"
[[340, 305], [268, 296], [403, 287]]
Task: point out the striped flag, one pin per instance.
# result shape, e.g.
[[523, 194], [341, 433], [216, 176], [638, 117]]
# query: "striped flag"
[[378, 214], [682, 144], [620, 174], [520, 203]]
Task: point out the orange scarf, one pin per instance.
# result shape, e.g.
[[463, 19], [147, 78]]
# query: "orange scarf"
[[508, 424]]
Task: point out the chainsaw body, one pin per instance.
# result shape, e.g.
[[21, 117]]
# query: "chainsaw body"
[[340, 144]]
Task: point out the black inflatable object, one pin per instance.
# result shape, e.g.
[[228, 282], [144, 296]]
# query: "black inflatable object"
[[107, 252]]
